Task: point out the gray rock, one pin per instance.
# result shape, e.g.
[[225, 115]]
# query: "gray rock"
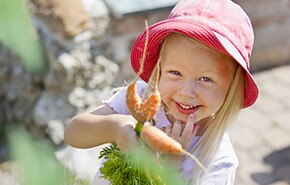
[[51, 106], [55, 130]]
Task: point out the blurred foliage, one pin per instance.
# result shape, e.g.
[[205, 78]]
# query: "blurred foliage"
[[148, 161], [37, 162], [139, 166], [34, 157], [121, 168], [18, 34]]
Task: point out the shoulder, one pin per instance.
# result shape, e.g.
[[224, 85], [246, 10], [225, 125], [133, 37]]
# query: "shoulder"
[[224, 165], [226, 151], [225, 156]]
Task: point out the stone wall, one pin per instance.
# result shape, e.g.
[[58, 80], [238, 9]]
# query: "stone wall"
[[78, 76], [271, 22]]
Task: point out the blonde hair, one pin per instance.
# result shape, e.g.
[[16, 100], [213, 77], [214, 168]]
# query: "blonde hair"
[[218, 124]]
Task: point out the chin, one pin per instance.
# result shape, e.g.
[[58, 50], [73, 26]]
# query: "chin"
[[181, 118]]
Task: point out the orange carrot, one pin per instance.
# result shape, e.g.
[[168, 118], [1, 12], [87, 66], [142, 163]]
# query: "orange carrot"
[[162, 143], [159, 140], [142, 111], [145, 111], [151, 105], [133, 101]]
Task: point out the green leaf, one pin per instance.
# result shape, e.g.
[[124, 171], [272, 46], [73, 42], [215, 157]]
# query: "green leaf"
[[138, 128], [18, 34], [139, 166], [36, 160]]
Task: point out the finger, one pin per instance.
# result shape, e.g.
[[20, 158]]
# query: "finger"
[[168, 129], [195, 129], [163, 129], [187, 132], [176, 129], [131, 141]]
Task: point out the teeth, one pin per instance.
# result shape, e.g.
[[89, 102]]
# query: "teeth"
[[186, 106]]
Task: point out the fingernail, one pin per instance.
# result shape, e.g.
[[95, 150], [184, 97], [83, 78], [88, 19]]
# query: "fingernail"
[[191, 116]]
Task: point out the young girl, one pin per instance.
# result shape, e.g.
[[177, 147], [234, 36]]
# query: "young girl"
[[201, 54]]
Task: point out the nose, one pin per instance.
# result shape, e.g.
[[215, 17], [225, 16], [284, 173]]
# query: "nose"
[[188, 89]]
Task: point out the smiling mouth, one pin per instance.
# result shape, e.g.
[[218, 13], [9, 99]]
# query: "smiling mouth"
[[186, 106], [187, 109]]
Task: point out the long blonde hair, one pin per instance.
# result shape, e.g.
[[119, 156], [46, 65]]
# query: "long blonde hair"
[[218, 124]]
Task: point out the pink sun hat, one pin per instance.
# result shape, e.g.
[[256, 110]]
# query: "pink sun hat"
[[220, 24]]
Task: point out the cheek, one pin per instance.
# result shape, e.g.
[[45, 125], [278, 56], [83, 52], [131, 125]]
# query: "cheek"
[[217, 98], [166, 88], [163, 88]]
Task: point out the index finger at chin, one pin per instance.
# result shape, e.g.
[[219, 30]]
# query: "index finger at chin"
[[190, 122], [191, 118]]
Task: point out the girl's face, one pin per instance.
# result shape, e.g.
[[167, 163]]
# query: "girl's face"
[[194, 79]]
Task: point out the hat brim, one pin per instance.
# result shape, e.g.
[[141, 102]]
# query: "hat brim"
[[196, 30]]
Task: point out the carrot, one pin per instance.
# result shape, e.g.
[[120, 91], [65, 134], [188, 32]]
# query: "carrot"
[[151, 105], [162, 143], [145, 111], [133, 101]]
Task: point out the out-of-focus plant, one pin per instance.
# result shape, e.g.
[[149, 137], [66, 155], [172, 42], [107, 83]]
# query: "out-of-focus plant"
[[139, 166], [37, 162], [18, 34], [147, 161]]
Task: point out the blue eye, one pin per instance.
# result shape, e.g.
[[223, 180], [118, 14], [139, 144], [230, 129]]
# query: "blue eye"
[[177, 73], [205, 79]]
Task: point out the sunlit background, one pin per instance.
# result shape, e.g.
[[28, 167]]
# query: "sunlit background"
[[60, 58]]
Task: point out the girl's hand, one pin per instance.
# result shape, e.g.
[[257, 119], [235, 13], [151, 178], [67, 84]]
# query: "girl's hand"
[[184, 134], [124, 134]]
